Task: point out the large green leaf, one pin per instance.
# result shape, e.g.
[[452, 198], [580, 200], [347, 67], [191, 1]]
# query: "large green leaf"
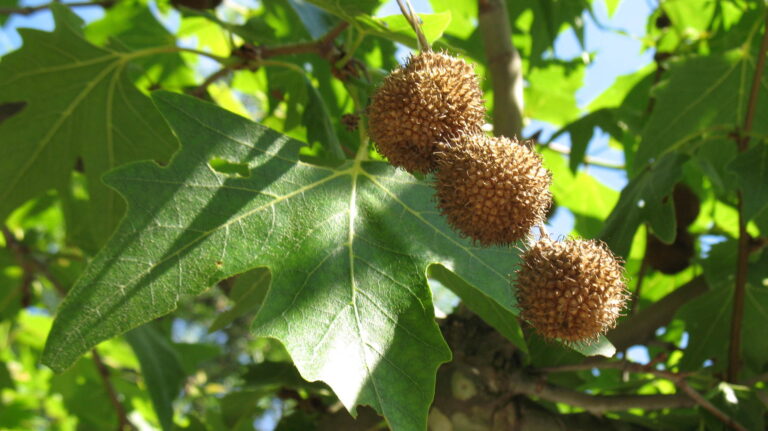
[[645, 199], [80, 105], [248, 293], [555, 104], [161, 368], [708, 320], [348, 249], [582, 130], [751, 171], [703, 96], [130, 26], [589, 200], [541, 21]]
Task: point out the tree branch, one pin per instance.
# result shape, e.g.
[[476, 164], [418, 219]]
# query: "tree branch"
[[677, 378], [742, 141], [32, 9], [623, 365], [704, 403], [122, 419], [596, 404], [591, 161], [504, 66], [640, 327]]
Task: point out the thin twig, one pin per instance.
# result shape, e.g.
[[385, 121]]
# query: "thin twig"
[[19, 251], [677, 378], [29, 263], [32, 265], [413, 20], [200, 90], [705, 404], [742, 141], [122, 419], [587, 159], [29, 10]]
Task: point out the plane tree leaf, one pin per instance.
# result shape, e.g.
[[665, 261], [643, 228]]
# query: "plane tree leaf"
[[348, 249], [751, 171], [79, 106], [645, 199], [704, 96], [161, 368]]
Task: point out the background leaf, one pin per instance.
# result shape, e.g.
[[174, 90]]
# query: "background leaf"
[[76, 93], [704, 95], [161, 369], [751, 171]]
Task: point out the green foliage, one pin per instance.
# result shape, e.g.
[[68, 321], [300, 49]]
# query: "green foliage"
[[81, 108], [249, 258]]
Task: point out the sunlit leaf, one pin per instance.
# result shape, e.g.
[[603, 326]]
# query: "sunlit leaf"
[[82, 105], [348, 249], [161, 368], [703, 96]]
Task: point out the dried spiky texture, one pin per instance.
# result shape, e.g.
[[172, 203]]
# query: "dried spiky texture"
[[572, 290], [431, 97], [492, 190]]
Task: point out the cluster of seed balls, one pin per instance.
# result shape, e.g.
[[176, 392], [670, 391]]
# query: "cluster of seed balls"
[[427, 117]]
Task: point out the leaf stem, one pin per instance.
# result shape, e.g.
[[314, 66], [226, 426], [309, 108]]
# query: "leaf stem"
[[413, 20], [122, 419], [362, 149], [742, 141]]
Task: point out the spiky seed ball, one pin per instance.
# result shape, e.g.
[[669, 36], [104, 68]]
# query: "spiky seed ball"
[[492, 190], [422, 102], [572, 290]]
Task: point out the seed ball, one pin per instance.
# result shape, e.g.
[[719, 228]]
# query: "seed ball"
[[422, 102], [686, 203], [492, 190], [670, 258], [571, 290]]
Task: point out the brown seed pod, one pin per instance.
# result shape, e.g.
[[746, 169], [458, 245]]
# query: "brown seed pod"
[[670, 258], [492, 190], [571, 290], [686, 205], [431, 97]]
